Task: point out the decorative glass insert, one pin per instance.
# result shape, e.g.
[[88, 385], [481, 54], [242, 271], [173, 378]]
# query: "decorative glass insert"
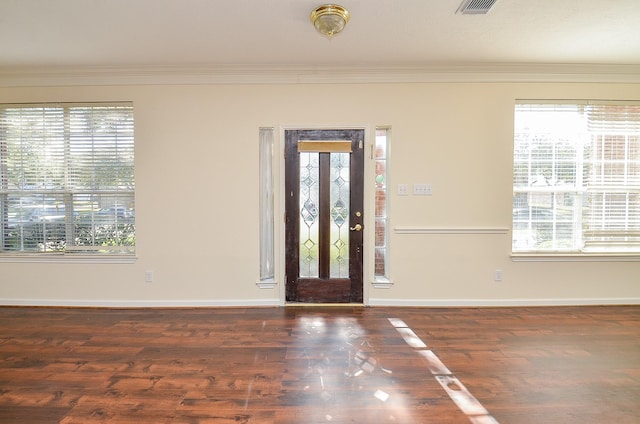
[[266, 140], [339, 265], [381, 212], [309, 216]]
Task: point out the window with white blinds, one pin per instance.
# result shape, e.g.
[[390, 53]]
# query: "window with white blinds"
[[67, 178], [576, 177]]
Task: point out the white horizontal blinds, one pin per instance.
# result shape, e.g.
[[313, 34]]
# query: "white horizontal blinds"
[[576, 177], [101, 148], [547, 140], [33, 172], [548, 145], [34, 141], [67, 177], [613, 180]]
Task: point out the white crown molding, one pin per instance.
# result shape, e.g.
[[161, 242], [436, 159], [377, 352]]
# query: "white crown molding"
[[297, 74]]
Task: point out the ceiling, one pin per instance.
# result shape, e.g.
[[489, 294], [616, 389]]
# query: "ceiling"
[[146, 34]]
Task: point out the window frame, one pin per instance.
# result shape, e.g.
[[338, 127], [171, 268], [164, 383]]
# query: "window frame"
[[266, 149], [580, 189], [73, 134], [381, 236]]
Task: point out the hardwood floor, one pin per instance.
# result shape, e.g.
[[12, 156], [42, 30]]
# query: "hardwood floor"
[[320, 365]]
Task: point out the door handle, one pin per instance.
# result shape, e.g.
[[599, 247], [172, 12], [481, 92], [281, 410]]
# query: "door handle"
[[357, 227]]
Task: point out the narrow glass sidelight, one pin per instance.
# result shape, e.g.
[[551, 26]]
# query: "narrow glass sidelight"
[[381, 204], [266, 140]]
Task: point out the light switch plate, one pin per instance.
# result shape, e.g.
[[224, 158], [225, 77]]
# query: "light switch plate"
[[422, 190], [403, 189]]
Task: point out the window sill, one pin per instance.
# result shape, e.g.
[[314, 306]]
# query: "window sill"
[[381, 283], [68, 259], [575, 257], [266, 284]]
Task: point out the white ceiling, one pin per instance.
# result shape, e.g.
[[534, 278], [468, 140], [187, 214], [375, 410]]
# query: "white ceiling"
[[252, 33]]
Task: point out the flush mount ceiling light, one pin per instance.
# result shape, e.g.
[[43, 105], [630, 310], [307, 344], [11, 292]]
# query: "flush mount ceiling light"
[[330, 19]]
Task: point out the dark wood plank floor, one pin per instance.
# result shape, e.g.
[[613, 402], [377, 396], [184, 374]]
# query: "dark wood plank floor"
[[320, 365]]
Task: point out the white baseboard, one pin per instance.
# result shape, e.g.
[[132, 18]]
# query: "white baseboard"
[[276, 302], [505, 302], [141, 303]]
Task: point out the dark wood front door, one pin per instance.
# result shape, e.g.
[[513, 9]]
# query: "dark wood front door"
[[324, 218]]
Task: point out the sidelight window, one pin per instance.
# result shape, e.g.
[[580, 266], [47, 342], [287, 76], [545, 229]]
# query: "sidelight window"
[[381, 206], [266, 140]]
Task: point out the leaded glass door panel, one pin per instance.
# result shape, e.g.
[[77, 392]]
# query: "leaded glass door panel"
[[324, 186]]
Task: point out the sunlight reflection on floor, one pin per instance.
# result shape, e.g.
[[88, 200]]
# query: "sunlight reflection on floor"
[[340, 370], [467, 403]]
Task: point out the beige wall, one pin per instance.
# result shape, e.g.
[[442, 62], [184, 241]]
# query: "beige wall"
[[197, 172]]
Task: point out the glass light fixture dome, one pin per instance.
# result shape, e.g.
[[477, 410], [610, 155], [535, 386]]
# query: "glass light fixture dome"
[[329, 19]]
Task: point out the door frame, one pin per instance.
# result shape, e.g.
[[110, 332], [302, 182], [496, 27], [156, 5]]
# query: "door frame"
[[279, 200]]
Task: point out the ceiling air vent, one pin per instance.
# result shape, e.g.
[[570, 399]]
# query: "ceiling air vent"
[[475, 7]]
